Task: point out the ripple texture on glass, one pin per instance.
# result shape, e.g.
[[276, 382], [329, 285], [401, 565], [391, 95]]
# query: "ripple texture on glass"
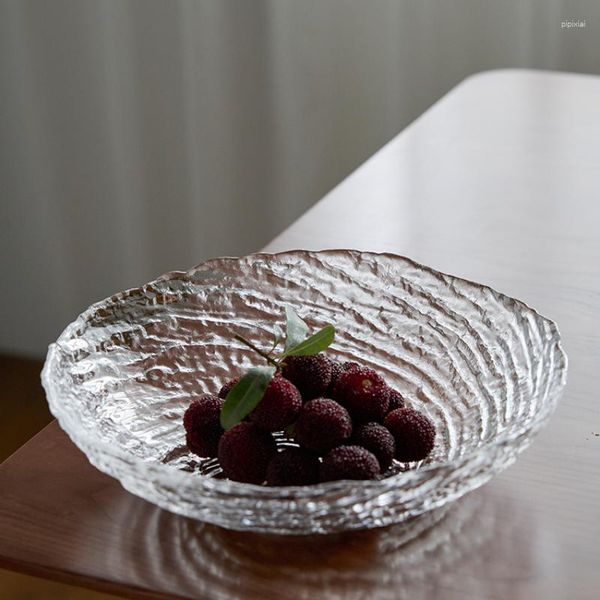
[[486, 368]]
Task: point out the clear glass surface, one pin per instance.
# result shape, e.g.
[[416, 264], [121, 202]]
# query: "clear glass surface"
[[486, 368]]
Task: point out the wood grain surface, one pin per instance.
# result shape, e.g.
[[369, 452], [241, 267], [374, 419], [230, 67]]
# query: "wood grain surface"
[[24, 408], [498, 182]]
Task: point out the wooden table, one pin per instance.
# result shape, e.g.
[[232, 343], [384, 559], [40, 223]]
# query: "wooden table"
[[498, 182]]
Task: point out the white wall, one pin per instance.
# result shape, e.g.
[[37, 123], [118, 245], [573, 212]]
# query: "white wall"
[[139, 136]]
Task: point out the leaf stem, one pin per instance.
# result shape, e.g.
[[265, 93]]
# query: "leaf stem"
[[266, 356]]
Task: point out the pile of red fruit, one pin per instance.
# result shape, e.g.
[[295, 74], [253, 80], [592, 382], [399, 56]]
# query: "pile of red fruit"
[[347, 422]]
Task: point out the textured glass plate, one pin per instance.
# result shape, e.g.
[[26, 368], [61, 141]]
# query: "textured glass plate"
[[487, 369]]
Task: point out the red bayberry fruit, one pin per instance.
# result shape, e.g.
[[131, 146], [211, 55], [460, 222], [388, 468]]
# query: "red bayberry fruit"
[[349, 462], [245, 452], [395, 399], [279, 406], [310, 374], [202, 426], [349, 365], [322, 424], [293, 466], [414, 434], [336, 371], [376, 439], [227, 387], [363, 392]]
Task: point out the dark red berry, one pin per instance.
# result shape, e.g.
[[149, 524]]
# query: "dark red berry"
[[336, 371], [376, 439], [245, 452], [414, 433], [202, 426], [395, 398], [279, 406], [347, 366], [227, 387], [322, 424], [310, 374], [349, 462], [293, 466], [363, 393]]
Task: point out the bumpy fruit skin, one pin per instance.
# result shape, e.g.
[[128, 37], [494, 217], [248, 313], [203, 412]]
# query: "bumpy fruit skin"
[[279, 406], [322, 424], [202, 426], [376, 439], [395, 399], [349, 462], [310, 374], [347, 366], [293, 466], [227, 387], [414, 434], [245, 452], [364, 393], [336, 370]]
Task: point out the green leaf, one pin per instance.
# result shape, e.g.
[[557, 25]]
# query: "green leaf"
[[278, 335], [290, 430], [245, 395], [314, 344], [296, 328]]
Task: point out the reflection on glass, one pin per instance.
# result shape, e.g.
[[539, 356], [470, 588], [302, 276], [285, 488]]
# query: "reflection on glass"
[[467, 547]]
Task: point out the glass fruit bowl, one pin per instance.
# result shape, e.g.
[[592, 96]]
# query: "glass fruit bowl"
[[486, 368]]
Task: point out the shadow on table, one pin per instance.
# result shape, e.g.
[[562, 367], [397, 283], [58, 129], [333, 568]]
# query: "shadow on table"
[[466, 549]]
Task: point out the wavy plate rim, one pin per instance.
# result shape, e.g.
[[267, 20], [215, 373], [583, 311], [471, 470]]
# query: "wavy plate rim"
[[215, 485]]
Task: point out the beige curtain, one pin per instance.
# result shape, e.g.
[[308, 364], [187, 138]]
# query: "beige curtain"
[[139, 136]]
